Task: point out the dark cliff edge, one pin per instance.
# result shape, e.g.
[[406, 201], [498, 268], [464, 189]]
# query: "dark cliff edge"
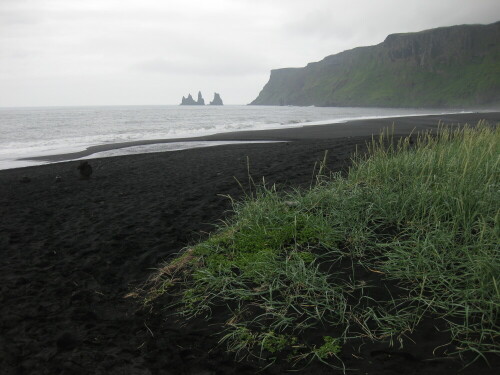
[[455, 66]]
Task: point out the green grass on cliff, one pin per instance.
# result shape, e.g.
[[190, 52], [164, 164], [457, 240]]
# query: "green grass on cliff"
[[445, 67], [410, 234], [371, 83], [399, 85]]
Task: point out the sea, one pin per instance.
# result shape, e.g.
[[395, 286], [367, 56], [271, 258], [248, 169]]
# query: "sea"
[[38, 131]]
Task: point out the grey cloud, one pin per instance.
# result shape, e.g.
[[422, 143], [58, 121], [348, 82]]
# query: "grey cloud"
[[162, 47], [10, 18], [219, 67]]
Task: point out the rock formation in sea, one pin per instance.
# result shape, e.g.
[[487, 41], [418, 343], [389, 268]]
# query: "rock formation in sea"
[[217, 100], [454, 66], [200, 101], [190, 101]]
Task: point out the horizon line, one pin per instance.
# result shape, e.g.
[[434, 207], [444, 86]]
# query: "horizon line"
[[112, 105]]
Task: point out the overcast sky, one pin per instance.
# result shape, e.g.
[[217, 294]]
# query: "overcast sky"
[[108, 52]]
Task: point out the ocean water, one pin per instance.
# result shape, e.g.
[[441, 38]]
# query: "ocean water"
[[29, 132]]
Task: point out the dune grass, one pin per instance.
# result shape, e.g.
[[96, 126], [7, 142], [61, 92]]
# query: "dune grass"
[[411, 233]]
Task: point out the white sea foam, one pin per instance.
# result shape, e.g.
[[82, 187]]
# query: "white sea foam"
[[29, 132], [163, 147]]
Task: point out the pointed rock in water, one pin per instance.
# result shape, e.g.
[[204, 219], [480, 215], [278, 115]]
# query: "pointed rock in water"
[[217, 100], [188, 101], [200, 101]]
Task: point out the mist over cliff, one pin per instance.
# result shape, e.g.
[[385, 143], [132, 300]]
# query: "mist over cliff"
[[445, 67]]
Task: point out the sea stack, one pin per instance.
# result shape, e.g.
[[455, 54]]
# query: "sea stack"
[[217, 100], [190, 101], [200, 101]]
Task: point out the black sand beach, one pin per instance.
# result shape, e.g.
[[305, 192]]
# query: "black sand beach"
[[73, 249]]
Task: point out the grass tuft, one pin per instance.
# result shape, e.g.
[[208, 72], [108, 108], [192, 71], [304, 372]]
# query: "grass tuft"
[[410, 234]]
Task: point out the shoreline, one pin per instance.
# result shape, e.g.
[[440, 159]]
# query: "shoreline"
[[74, 249], [364, 127]]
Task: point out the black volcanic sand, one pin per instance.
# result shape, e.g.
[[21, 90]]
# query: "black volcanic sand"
[[72, 249]]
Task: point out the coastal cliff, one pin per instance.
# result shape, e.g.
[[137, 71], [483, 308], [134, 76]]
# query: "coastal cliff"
[[444, 67]]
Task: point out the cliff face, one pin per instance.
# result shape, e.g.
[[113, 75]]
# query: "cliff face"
[[450, 66]]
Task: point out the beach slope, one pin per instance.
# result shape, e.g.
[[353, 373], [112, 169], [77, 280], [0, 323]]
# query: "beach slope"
[[73, 250]]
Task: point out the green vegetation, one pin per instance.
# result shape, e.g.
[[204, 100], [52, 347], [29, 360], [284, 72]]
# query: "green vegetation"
[[410, 234], [433, 68], [369, 82], [330, 348]]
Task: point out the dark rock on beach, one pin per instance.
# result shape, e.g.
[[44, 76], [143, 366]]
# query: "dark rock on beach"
[[85, 170]]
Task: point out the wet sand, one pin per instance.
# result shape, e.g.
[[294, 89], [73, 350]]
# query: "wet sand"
[[359, 128]]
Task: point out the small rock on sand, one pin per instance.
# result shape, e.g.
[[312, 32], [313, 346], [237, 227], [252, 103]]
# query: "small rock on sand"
[[85, 170]]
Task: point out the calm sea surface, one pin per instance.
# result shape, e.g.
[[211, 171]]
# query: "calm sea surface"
[[26, 132]]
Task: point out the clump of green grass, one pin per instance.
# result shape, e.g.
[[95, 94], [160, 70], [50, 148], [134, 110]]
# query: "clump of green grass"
[[423, 216]]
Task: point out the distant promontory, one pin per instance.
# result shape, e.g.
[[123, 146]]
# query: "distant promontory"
[[455, 66], [190, 101]]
